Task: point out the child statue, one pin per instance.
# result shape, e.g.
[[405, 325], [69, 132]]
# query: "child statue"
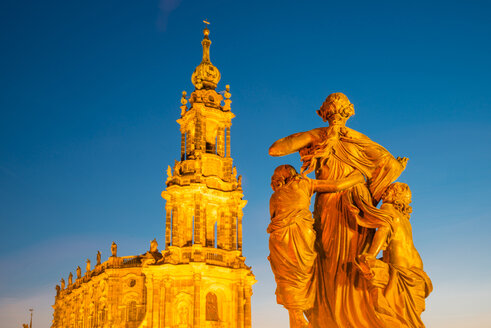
[[292, 237], [398, 280]]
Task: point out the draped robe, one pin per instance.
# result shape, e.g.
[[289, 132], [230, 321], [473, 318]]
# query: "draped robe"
[[345, 223], [291, 243]]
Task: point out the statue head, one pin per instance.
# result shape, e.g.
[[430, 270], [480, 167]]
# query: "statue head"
[[399, 195], [282, 175], [154, 246], [336, 109]]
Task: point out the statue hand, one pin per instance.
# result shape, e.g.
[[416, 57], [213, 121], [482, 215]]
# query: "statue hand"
[[403, 161]]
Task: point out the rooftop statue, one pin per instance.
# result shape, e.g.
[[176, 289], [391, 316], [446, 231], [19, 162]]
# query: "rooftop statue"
[[153, 255], [114, 249], [345, 221]]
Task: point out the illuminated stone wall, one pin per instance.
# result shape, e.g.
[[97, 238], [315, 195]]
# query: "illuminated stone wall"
[[111, 295]]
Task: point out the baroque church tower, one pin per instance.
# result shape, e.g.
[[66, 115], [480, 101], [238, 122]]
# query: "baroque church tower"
[[206, 281], [200, 279]]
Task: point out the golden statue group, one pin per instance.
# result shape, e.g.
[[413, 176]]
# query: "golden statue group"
[[325, 263]]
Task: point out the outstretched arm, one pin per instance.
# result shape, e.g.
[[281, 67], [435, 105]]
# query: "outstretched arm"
[[291, 144], [338, 185]]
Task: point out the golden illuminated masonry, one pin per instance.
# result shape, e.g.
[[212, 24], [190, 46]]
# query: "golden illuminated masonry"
[[200, 279]]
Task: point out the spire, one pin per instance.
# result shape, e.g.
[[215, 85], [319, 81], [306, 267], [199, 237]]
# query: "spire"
[[205, 75]]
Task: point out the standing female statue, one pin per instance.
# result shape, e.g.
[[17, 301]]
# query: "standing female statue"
[[345, 221]]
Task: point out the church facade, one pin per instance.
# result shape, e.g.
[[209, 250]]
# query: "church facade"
[[200, 279]]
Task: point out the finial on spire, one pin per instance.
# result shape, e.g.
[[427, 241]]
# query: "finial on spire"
[[227, 100], [184, 101], [206, 76], [206, 31]]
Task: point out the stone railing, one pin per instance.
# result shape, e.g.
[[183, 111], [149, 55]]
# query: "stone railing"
[[209, 255]]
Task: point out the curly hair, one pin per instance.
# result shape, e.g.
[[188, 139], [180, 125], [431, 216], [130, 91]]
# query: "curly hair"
[[399, 195], [282, 175], [336, 103]]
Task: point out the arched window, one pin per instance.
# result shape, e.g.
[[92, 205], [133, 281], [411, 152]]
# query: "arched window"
[[211, 307]]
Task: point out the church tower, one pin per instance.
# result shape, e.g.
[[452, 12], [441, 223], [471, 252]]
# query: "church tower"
[[200, 279], [203, 279]]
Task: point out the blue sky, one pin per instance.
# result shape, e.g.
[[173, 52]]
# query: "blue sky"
[[90, 92]]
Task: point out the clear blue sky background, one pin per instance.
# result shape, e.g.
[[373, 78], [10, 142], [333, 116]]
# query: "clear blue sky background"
[[90, 93]]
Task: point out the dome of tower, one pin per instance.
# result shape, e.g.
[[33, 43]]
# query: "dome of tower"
[[205, 75]]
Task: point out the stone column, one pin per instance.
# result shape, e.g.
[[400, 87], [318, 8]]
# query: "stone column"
[[203, 137], [183, 146], [208, 227], [197, 296], [247, 308], [156, 302], [228, 230], [220, 142], [168, 216], [150, 305], [228, 141], [234, 231], [168, 303], [220, 230], [197, 220], [199, 133], [163, 292], [175, 224], [187, 219], [240, 305], [239, 233], [189, 141]]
